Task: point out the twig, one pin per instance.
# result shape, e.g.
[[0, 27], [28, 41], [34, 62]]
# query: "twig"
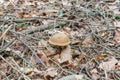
[[6, 77], [33, 52], [19, 33], [40, 28], [7, 45], [15, 68], [61, 67], [5, 32]]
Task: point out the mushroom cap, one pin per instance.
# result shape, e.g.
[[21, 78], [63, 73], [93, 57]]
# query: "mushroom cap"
[[59, 39]]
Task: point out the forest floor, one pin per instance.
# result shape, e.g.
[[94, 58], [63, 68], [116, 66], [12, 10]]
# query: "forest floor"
[[93, 27]]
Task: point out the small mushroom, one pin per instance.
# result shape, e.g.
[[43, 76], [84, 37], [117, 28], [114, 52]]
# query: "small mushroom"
[[59, 40]]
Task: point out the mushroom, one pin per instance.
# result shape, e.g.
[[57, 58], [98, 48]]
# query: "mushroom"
[[59, 40]]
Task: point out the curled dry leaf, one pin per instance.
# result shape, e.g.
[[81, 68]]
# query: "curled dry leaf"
[[66, 55], [109, 65], [51, 72], [117, 36]]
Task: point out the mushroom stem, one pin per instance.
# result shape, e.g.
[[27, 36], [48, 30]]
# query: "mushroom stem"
[[59, 49]]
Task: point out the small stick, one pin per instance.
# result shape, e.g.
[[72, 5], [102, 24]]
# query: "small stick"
[[26, 77], [5, 32]]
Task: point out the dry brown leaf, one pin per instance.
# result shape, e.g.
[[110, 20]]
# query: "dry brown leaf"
[[116, 23], [113, 7], [66, 55], [105, 34], [19, 14], [75, 42], [51, 72], [94, 71], [87, 41], [118, 65], [42, 43], [117, 36], [56, 57], [46, 22], [20, 2], [0, 33], [66, 3], [28, 71], [95, 77], [101, 56], [26, 16], [49, 51], [74, 77], [47, 12], [1, 11], [43, 57], [10, 6], [67, 29], [108, 65]]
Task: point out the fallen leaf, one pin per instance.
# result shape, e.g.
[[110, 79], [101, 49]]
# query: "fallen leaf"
[[1, 11], [19, 14], [117, 36], [26, 16], [49, 50], [87, 41], [67, 29], [47, 12], [105, 34], [73, 77], [113, 7], [42, 43], [10, 6], [51, 72], [75, 42], [66, 3], [95, 77], [108, 65], [43, 57], [116, 23], [66, 55], [101, 56], [27, 70], [117, 66], [0, 33], [46, 22], [94, 71]]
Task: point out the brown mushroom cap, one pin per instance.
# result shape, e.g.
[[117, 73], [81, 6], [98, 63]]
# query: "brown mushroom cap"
[[59, 39]]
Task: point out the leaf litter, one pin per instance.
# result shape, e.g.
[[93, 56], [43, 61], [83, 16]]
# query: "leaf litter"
[[93, 29]]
